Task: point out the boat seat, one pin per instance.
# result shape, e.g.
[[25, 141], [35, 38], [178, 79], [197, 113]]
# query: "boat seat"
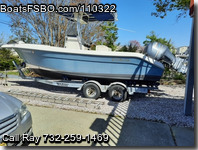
[[73, 43], [102, 48]]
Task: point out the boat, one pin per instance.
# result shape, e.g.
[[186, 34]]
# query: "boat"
[[90, 64], [76, 61]]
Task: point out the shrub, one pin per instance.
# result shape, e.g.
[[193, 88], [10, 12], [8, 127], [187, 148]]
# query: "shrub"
[[173, 76], [6, 58]]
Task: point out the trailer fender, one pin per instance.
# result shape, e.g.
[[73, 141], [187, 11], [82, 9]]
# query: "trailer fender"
[[118, 83]]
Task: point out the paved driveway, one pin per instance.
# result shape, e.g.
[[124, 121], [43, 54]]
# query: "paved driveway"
[[122, 132]]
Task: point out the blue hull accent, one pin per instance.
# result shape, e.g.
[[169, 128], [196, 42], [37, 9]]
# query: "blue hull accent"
[[93, 66]]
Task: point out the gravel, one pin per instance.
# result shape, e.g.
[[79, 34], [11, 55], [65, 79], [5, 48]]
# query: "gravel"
[[164, 105]]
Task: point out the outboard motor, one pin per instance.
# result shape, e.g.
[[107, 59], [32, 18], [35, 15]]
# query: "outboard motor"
[[159, 51]]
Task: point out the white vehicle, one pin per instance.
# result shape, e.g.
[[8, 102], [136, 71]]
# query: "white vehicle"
[[15, 120]]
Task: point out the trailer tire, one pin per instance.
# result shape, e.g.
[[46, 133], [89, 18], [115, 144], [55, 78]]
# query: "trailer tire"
[[91, 90], [117, 93]]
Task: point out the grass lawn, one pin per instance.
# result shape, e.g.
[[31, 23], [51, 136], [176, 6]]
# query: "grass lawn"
[[14, 72]]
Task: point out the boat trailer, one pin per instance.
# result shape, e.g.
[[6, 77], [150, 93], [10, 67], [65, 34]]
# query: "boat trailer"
[[117, 91]]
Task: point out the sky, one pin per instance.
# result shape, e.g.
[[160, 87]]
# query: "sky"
[[135, 15]]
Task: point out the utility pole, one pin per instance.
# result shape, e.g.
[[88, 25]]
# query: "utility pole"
[[190, 73]]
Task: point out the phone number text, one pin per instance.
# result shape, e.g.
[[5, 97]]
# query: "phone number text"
[[75, 138]]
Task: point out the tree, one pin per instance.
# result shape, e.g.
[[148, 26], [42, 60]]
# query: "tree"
[[123, 49], [48, 28], [110, 34], [133, 46], [165, 6], [154, 38], [22, 35]]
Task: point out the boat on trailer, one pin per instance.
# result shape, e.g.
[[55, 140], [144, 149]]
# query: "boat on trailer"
[[118, 73], [76, 61]]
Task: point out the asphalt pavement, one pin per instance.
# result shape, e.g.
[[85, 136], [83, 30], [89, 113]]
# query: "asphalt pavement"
[[51, 124]]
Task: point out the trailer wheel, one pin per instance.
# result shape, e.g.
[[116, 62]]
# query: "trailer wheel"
[[117, 93], [91, 90]]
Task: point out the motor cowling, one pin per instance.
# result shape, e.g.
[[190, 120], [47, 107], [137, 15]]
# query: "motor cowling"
[[159, 52]]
